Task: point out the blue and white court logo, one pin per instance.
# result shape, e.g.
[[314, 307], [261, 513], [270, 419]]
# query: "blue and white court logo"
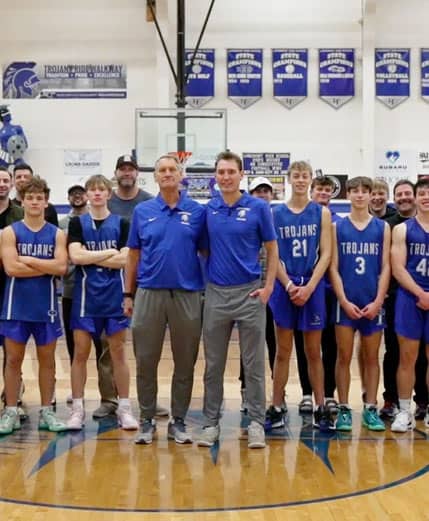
[[20, 80]]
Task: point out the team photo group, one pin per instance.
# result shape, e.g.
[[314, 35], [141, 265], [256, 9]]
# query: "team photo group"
[[287, 274]]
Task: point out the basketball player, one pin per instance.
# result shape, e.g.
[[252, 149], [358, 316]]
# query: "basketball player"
[[298, 301], [238, 225], [97, 246], [360, 273], [163, 265], [321, 191], [33, 253], [410, 254]]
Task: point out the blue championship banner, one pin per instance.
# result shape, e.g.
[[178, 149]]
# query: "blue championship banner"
[[424, 64], [392, 76], [244, 71], [336, 76], [200, 77], [64, 81], [272, 165], [290, 68]]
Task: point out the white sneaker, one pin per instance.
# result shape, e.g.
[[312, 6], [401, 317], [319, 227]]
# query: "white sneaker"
[[75, 422], [126, 419], [404, 421], [208, 436], [255, 436]]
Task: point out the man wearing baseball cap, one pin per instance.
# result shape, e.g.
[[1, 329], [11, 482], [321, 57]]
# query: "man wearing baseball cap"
[[261, 185], [126, 197]]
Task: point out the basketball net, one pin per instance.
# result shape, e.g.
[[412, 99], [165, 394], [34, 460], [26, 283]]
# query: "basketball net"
[[182, 156]]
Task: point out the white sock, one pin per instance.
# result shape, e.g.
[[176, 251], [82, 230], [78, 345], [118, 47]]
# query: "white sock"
[[13, 409], [124, 403], [404, 405], [77, 403]]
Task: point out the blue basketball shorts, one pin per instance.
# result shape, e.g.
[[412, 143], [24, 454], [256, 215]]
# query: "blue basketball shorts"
[[410, 321], [20, 331], [365, 326], [287, 315], [96, 325]]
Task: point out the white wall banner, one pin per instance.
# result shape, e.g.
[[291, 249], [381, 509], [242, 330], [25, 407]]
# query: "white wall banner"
[[423, 163], [393, 164], [83, 163]]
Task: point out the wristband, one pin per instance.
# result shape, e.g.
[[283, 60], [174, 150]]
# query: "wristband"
[[288, 285], [127, 294]]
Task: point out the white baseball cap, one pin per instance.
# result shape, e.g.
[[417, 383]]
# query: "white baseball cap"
[[259, 181]]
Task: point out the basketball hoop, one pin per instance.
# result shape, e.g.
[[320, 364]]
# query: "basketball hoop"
[[182, 156]]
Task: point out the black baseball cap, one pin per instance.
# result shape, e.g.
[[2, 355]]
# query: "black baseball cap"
[[75, 187], [127, 159]]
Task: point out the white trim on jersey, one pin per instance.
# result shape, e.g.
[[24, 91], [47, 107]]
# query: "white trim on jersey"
[[121, 274], [338, 314], [83, 293], [53, 294], [10, 298]]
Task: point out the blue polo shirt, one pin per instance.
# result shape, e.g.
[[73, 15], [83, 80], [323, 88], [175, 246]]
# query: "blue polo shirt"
[[169, 240], [236, 234]]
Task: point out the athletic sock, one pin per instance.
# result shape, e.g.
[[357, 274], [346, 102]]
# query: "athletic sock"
[[404, 405], [124, 402]]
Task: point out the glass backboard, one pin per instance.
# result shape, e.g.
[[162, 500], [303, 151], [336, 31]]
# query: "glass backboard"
[[195, 135]]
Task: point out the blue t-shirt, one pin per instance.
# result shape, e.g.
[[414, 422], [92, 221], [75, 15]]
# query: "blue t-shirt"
[[236, 234], [169, 240], [360, 256], [298, 236], [32, 299], [417, 241]]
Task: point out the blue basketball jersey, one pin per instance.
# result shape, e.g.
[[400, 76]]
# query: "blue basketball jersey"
[[97, 290], [32, 299], [417, 241], [360, 255], [298, 237]]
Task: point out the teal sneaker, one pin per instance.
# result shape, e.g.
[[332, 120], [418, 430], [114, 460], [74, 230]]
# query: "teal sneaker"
[[371, 420], [49, 422], [344, 419], [9, 421]]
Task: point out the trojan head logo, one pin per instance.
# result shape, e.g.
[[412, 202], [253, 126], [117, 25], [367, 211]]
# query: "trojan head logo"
[[20, 80]]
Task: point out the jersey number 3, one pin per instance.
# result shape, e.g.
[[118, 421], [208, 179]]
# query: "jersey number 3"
[[360, 268]]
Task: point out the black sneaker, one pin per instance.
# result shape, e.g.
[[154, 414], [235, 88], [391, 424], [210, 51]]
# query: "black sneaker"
[[323, 419], [274, 418]]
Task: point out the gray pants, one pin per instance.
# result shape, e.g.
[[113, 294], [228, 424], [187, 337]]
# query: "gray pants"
[[106, 381], [153, 310], [223, 306]]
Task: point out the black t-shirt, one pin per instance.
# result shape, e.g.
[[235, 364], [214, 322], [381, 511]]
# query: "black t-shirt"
[[75, 233]]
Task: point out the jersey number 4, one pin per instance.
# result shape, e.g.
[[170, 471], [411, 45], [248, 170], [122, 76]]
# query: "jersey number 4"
[[422, 268]]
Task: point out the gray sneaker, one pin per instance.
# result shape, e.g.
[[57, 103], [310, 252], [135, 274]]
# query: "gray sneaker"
[[105, 409], [9, 421], [209, 435], [255, 436], [177, 431], [146, 433], [161, 412]]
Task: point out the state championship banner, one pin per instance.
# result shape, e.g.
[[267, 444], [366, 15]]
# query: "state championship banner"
[[64, 80], [424, 65], [290, 70], [200, 83], [244, 71], [392, 76], [336, 76]]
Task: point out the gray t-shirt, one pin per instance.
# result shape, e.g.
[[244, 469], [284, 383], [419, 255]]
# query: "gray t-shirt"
[[125, 207]]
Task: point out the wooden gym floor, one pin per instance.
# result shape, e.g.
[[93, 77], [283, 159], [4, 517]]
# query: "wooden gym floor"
[[100, 474]]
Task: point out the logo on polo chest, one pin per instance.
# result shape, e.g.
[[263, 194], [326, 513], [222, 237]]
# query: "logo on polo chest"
[[242, 214], [185, 217]]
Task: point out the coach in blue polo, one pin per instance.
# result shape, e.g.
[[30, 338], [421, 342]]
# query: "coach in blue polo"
[[238, 225], [163, 276]]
